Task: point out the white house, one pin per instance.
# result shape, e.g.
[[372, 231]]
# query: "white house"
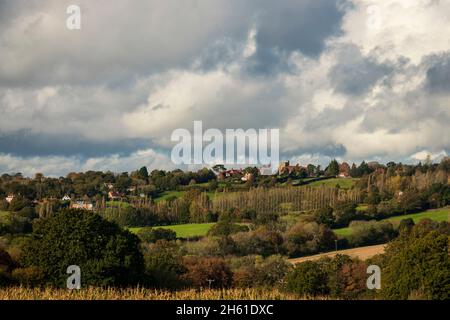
[[66, 198], [10, 198]]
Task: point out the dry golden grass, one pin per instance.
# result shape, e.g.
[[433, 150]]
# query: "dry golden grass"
[[20, 293]]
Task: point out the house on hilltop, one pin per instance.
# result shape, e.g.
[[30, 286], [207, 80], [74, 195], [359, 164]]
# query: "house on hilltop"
[[285, 167], [344, 170]]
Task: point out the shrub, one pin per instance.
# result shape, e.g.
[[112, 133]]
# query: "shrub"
[[262, 241], [257, 271], [308, 279], [29, 276], [207, 272], [344, 212], [226, 228], [307, 238], [366, 233]]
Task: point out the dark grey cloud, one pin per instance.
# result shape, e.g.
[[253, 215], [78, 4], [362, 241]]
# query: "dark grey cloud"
[[288, 26], [25, 143], [354, 74], [438, 74]]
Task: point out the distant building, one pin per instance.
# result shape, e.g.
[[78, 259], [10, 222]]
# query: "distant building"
[[113, 195], [247, 176], [110, 186], [10, 198], [285, 167], [85, 205], [344, 170], [66, 198]]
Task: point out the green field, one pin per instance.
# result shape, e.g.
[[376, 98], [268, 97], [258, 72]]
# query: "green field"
[[168, 194], [117, 204], [344, 183], [436, 215], [185, 230]]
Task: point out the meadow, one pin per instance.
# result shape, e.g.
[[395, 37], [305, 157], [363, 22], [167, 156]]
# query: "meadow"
[[442, 214], [344, 183], [188, 230]]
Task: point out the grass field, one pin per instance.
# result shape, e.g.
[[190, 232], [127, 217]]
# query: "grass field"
[[185, 230], [344, 183], [117, 204], [168, 194], [442, 214], [21, 293]]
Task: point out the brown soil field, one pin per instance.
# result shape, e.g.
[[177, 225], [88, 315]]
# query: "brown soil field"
[[362, 253]]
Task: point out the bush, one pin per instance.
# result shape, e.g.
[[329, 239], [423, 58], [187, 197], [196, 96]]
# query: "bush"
[[152, 235], [308, 279], [106, 254], [257, 271], [164, 265], [226, 228], [29, 276], [344, 212], [366, 233], [308, 238], [207, 272], [325, 216], [262, 241]]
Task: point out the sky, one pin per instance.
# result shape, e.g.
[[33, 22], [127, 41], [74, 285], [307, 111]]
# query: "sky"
[[347, 79]]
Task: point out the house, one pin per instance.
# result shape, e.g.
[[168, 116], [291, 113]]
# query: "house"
[[113, 195], [344, 170], [285, 167], [10, 198], [80, 204], [247, 176], [110, 186], [66, 198], [229, 174]]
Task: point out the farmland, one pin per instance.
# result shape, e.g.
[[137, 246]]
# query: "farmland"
[[436, 215], [21, 293], [362, 253]]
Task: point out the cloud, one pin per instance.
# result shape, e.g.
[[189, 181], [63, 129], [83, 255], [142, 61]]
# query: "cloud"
[[349, 79], [56, 166]]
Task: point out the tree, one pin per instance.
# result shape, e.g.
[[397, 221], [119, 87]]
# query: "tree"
[[325, 216], [307, 279], [344, 212], [164, 265], [417, 263], [106, 254], [226, 228], [207, 272], [333, 168], [143, 173], [150, 235]]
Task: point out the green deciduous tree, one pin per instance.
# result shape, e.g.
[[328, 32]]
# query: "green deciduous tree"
[[106, 254]]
